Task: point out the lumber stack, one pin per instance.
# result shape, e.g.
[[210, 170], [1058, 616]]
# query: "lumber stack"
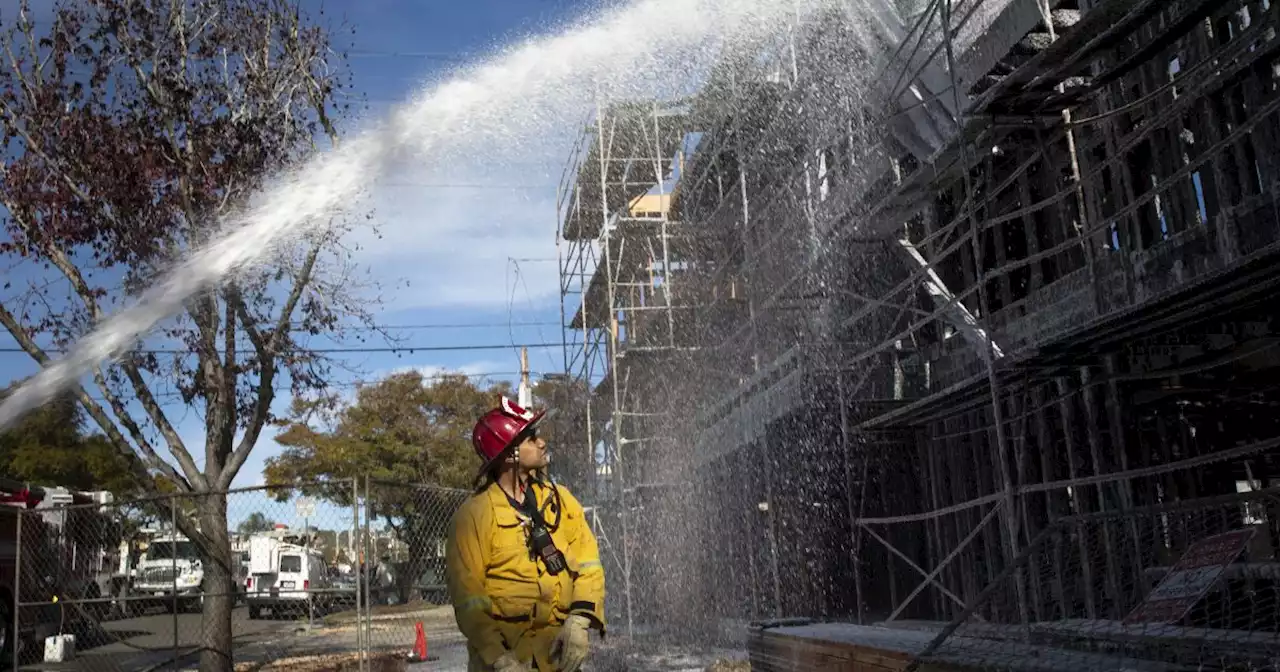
[[834, 647]]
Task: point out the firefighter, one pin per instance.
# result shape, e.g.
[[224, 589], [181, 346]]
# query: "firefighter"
[[522, 564]]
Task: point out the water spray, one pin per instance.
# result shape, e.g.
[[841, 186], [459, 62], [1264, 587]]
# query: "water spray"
[[495, 102]]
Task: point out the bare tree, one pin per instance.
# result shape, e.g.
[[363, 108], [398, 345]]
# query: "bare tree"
[[129, 127]]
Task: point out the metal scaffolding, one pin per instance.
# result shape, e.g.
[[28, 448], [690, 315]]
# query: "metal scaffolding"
[[1017, 265], [623, 263]]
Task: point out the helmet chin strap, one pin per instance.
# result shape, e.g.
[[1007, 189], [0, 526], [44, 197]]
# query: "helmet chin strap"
[[513, 466], [521, 478]]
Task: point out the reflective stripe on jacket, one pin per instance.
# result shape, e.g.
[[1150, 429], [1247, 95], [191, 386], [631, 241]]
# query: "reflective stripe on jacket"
[[495, 583]]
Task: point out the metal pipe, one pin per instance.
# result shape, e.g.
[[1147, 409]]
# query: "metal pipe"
[[668, 285], [311, 612], [1082, 217], [367, 624], [612, 325], [358, 554], [984, 595], [173, 561], [561, 263], [932, 575], [17, 588], [771, 512], [906, 559]]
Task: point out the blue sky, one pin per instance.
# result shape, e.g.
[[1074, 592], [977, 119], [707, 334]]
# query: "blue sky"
[[428, 220]]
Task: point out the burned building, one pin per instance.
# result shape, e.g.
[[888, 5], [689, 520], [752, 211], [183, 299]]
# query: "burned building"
[[965, 314]]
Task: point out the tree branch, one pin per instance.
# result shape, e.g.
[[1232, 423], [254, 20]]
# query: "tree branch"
[[267, 353], [29, 32], [131, 371], [59, 258], [230, 373], [204, 312], [99, 415], [193, 161], [235, 298]]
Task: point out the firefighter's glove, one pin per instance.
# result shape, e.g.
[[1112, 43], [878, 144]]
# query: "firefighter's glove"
[[569, 650], [509, 663]]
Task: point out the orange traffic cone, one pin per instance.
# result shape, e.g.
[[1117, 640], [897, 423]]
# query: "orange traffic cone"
[[419, 653]]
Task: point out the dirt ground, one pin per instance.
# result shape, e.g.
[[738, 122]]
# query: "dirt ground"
[[426, 610], [343, 662]]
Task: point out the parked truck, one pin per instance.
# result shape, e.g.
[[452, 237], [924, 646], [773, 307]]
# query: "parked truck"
[[85, 537], [26, 573], [169, 568]]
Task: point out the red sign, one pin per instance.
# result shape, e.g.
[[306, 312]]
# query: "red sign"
[[1194, 574]]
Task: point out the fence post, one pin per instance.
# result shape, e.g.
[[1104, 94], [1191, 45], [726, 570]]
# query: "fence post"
[[356, 552], [173, 560], [368, 558], [311, 611], [17, 588]]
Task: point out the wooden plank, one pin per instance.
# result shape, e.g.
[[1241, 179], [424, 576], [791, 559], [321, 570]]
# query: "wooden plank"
[[1036, 279], [967, 574], [1066, 409], [1053, 501], [941, 544], [845, 647], [1104, 494], [772, 651]]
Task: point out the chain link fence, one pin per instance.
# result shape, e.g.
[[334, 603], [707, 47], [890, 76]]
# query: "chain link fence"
[[406, 528], [332, 575], [1188, 585]]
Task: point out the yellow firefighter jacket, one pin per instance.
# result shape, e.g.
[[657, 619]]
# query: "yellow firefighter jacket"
[[503, 597]]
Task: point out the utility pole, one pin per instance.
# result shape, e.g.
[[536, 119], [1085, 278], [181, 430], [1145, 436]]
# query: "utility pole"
[[526, 390]]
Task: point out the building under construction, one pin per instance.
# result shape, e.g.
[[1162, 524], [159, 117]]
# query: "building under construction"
[[958, 324]]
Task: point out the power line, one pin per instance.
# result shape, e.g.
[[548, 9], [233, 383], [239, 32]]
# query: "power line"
[[350, 384], [369, 328], [465, 185], [410, 349], [439, 376], [436, 325], [461, 325], [424, 55]]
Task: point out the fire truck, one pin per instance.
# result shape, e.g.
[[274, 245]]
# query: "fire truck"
[[23, 581], [63, 547]]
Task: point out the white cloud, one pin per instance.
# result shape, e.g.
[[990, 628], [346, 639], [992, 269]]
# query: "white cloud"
[[453, 246], [473, 369]]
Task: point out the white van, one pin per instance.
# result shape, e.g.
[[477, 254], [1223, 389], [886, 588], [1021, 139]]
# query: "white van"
[[284, 577]]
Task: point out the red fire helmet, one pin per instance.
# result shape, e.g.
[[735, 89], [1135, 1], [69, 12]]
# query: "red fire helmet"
[[499, 430]]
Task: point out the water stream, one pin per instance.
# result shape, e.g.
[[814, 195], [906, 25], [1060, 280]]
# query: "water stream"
[[635, 51]]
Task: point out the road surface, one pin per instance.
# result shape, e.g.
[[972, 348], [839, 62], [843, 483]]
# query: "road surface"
[[145, 641]]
